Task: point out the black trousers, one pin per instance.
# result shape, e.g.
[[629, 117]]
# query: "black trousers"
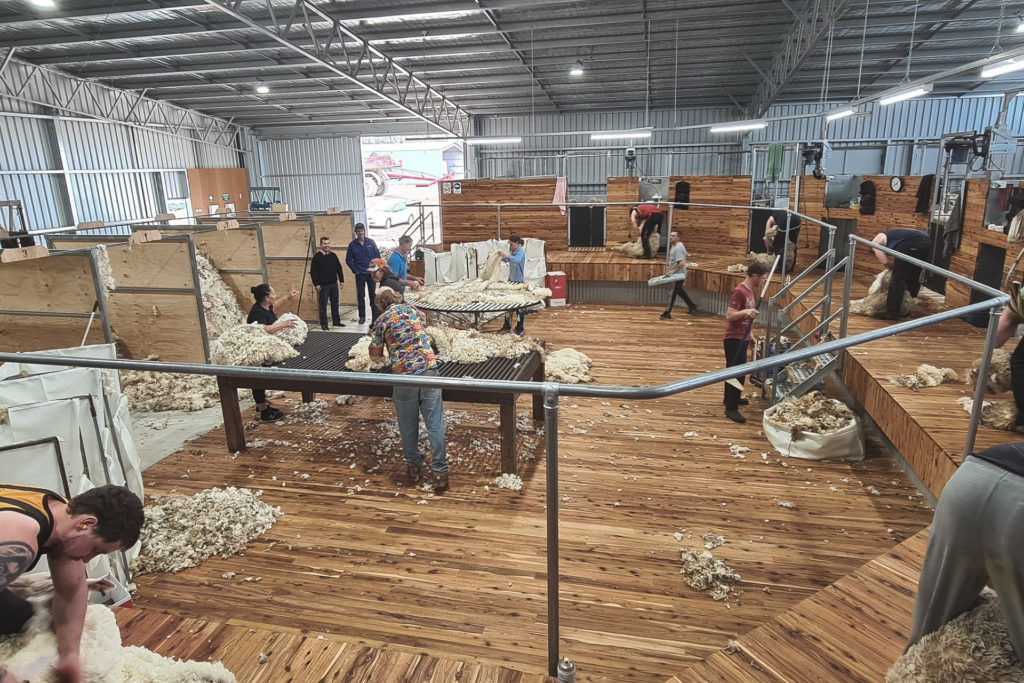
[[648, 229], [905, 276], [365, 284], [328, 293], [680, 292], [14, 612], [519, 325], [1017, 378], [735, 354]]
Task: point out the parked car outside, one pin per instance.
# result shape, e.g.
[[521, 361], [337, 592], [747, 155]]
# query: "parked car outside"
[[393, 213]]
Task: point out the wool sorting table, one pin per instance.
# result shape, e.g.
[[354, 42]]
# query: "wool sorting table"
[[472, 314], [329, 351]]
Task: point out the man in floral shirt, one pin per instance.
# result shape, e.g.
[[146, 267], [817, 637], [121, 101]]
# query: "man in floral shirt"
[[401, 328]]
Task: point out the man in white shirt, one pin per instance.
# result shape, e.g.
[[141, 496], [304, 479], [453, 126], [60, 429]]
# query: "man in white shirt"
[[677, 264]]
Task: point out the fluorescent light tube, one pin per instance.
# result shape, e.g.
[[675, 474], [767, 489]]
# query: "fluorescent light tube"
[[262, 89], [1001, 68], [738, 126], [840, 114], [48, 4], [493, 141], [621, 135], [576, 71], [906, 95]]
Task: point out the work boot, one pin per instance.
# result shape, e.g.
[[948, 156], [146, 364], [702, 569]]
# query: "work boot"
[[439, 480], [507, 327], [362, 321], [735, 415], [414, 473], [665, 316], [693, 309], [270, 415], [519, 331]]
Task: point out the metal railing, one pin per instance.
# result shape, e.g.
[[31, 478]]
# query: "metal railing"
[[552, 391]]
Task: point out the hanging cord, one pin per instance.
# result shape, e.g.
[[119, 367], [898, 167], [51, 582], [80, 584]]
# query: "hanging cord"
[[828, 67], [675, 81], [533, 78], [863, 42], [997, 48], [910, 52]]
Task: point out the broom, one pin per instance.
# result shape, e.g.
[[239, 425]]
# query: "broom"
[[732, 381]]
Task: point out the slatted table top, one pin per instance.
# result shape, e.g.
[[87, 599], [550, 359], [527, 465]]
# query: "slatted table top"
[[475, 307], [330, 350]]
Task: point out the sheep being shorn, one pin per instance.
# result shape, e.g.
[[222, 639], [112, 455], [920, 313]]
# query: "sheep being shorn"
[[636, 247], [874, 303]]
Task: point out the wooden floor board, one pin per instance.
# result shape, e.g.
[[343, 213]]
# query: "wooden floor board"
[[463, 575]]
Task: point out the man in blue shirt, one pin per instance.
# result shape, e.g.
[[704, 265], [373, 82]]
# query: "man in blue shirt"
[[400, 267], [515, 257], [361, 251]]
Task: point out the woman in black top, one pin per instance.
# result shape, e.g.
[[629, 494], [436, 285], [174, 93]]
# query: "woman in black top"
[[262, 313]]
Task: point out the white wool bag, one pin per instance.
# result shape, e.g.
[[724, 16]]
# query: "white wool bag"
[[845, 444]]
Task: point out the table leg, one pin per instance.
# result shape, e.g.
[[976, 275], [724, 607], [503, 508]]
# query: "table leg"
[[507, 425], [307, 396], [538, 399], [232, 415]]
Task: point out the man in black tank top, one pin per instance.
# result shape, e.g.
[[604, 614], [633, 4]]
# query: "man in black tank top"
[[35, 521]]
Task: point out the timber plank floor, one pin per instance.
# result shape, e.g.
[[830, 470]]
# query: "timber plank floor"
[[851, 631], [361, 557]]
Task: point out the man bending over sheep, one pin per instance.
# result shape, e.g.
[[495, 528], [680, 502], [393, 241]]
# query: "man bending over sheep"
[[35, 521]]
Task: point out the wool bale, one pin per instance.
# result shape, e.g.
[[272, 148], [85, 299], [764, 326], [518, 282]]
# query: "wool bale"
[[250, 345], [998, 372], [975, 646], [183, 531], [813, 412]]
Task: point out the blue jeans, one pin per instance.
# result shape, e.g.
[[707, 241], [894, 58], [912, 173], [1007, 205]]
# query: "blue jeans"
[[410, 402]]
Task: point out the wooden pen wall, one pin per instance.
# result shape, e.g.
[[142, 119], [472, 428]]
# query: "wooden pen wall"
[[234, 250], [479, 223], [289, 246], [892, 210], [704, 231], [975, 234], [146, 323], [57, 283]]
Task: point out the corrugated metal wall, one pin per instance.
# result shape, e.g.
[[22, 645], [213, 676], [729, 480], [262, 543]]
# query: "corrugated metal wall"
[[67, 171], [903, 134], [315, 173]]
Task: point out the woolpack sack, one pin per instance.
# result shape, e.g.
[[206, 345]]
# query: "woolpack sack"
[[844, 444]]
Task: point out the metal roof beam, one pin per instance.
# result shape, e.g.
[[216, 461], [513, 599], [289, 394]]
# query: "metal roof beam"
[[390, 81], [101, 11], [795, 47]]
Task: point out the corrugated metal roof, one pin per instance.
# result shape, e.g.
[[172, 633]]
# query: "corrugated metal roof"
[[513, 56]]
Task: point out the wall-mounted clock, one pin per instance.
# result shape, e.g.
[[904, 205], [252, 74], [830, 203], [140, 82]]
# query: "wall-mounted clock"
[[896, 183]]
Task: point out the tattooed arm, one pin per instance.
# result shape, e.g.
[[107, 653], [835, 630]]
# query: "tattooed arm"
[[17, 545]]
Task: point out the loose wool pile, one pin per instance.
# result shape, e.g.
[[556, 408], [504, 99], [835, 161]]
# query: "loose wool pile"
[[994, 414], [359, 359], [472, 346], [467, 292], [293, 335], [156, 391], [219, 302], [636, 247], [568, 366], [874, 303], [998, 372], [925, 376], [812, 412], [106, 271], [183, 531], [250, 345], [702, 571], [973, 647]]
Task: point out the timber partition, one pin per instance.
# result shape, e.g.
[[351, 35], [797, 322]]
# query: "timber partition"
[[47, 302], [479, 221], [157, 305]]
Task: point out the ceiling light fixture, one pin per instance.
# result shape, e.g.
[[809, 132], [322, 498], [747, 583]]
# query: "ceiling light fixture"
[[493, 141], [48, 4], [621, 135], [1020, 23], [262, 88], [906, 94], [840, 113], [737, 126], [577, 69], [1003, 67]]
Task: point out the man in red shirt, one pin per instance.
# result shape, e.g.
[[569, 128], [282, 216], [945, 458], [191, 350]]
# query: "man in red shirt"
[[739, 323], [645, 218]]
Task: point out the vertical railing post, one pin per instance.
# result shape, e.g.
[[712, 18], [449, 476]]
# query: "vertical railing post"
[[499, 221], [550, 390], [981, 382], [847, 287], [830, 261]]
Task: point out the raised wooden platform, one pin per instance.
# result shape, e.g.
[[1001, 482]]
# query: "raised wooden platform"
[[295, 656], [851, 631]]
